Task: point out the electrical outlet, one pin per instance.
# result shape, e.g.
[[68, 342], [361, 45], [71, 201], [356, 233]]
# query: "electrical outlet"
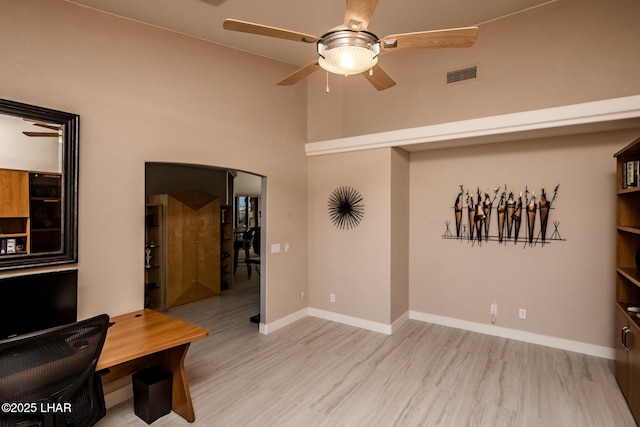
[[301, 295], [287, 247], [332, 297], [522, 313]]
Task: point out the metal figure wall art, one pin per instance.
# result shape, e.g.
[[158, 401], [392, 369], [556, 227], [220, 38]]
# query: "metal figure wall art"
[[457, 206], [545, 205], [502, 210], [509, 211], [345, 207], [531, 214], [479, 216], [517, 218], [488, 205], [471, 213]]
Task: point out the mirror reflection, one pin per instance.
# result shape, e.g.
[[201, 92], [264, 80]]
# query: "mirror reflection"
[[30, 145], [38, 200]]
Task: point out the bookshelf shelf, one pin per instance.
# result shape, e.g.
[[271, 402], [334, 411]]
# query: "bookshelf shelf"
[[631, 190], [629, 229], [154, 275], [631, 273]]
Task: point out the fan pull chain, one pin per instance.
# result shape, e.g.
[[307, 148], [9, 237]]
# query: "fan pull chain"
[[327, 82], [371, 69]]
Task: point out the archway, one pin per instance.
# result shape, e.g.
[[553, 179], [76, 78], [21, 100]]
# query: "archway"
[[174, 272]]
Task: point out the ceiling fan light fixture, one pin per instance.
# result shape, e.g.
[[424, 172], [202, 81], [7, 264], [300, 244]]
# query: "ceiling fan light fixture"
[[348, 52]]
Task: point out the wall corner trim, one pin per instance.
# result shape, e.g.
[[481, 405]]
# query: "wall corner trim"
[[594, 116]]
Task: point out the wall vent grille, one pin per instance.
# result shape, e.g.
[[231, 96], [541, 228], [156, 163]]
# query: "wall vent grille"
[[462, 74]]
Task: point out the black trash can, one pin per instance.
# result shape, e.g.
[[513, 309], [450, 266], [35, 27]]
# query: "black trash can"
[[152, 393]]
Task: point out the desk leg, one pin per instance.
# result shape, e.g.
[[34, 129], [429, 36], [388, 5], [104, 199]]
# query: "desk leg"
[[173, 361]]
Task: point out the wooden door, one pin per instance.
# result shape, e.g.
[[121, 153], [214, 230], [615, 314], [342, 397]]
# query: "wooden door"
[[193, 241]]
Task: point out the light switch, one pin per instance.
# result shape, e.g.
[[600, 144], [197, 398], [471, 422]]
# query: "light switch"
[[275, 248]]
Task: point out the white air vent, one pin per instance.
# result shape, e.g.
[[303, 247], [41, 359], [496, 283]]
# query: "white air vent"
[[462, 74]]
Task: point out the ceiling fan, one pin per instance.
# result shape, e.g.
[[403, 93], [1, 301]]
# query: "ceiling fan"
[[350, 49]]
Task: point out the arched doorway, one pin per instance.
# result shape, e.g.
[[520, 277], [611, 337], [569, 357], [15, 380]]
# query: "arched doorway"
[[187, 205]]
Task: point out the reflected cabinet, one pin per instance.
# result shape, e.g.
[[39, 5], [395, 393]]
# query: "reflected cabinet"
[[30, 213]]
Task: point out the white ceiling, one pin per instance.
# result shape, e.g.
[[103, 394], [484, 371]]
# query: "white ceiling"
[[203, 18]]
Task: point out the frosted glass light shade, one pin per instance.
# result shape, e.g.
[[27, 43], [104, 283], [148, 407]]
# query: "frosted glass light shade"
[[348, 52], [348, 60]]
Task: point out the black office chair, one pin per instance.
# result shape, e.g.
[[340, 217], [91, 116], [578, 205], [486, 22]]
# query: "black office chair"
[[245, 245], [254, 261], [53, 371]]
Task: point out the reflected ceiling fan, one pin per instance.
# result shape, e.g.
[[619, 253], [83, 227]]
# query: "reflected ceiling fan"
[[56, 134], [350, 49]]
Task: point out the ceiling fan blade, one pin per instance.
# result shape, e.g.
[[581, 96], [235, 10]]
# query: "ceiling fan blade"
[[359, 13], [43, 125], [49, 134], [455, 37], [265, 30], [379, 79], [299, 74]]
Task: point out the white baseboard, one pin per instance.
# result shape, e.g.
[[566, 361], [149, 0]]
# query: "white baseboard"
[[554, 342], [267, 328], [351, 321], [400, 321], [334, 317], [530, 337]]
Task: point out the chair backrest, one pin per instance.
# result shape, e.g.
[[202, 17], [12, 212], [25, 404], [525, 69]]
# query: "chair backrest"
[[56, 368], [256, 240], [247, 238]]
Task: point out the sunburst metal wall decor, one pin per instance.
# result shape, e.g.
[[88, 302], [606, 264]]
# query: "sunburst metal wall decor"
[[345, 207]]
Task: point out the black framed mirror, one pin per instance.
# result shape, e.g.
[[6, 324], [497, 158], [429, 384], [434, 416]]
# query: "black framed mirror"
[[38, 186]]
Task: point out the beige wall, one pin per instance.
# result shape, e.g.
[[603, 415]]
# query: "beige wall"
[[399, 281], [567, 52], [567, 287], [367, 267], [354, 264], [144, 94]]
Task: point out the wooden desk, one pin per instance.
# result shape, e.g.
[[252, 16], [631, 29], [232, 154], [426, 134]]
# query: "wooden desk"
[[144, 338]]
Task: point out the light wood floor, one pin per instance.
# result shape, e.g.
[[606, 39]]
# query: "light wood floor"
[[318, 373]]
